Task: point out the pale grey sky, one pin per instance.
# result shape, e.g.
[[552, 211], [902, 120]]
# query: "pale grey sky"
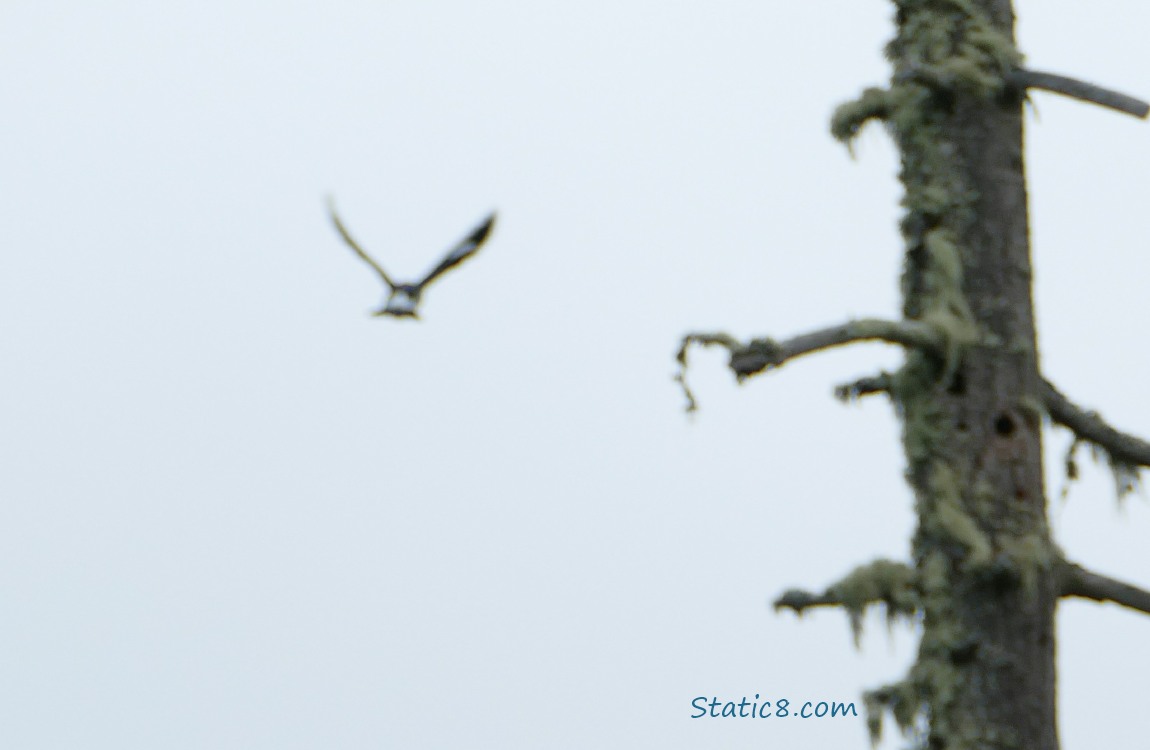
[[238, 512]]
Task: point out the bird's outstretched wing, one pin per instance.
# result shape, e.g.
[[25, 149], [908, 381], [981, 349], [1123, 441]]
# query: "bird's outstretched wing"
[[355, 246], [461, 252]]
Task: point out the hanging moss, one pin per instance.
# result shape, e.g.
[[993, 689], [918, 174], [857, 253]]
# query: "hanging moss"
[[904, 701], [1030, 556], [849, 118], [885, 581]]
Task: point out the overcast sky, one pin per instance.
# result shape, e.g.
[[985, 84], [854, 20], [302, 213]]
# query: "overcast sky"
[[236, 511]]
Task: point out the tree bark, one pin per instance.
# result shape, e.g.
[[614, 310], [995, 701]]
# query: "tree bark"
[[982, 549]]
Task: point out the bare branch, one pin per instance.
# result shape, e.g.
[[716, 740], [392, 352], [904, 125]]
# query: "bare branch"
[[760, 355], [1123, 449], [1078, 581], [799, 600], [1076, 89]]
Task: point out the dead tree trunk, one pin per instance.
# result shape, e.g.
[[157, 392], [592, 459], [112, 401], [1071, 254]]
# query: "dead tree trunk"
[[985, 574], [984, 558]]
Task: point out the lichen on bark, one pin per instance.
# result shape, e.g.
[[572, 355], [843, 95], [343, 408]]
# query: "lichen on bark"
[[951, 61]]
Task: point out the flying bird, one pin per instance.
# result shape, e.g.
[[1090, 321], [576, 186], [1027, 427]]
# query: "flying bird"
[[403, 299]]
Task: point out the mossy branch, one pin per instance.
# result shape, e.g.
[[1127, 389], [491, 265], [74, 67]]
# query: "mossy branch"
[[882, 581], [1126, 452], [1078, 581], [762, 354], [1081, 90]]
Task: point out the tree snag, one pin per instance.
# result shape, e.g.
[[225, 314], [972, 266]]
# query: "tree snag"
[[985, 575]]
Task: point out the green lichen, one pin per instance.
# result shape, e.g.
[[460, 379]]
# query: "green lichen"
[[934, 683], [1031, 556], [849, 118], [882, 581], [985, 498], [948, 519], [1127, 476], [903, 699], [958, 37]]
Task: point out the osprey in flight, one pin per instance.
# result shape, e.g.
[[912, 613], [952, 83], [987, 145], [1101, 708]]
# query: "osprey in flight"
[[403, 299]]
